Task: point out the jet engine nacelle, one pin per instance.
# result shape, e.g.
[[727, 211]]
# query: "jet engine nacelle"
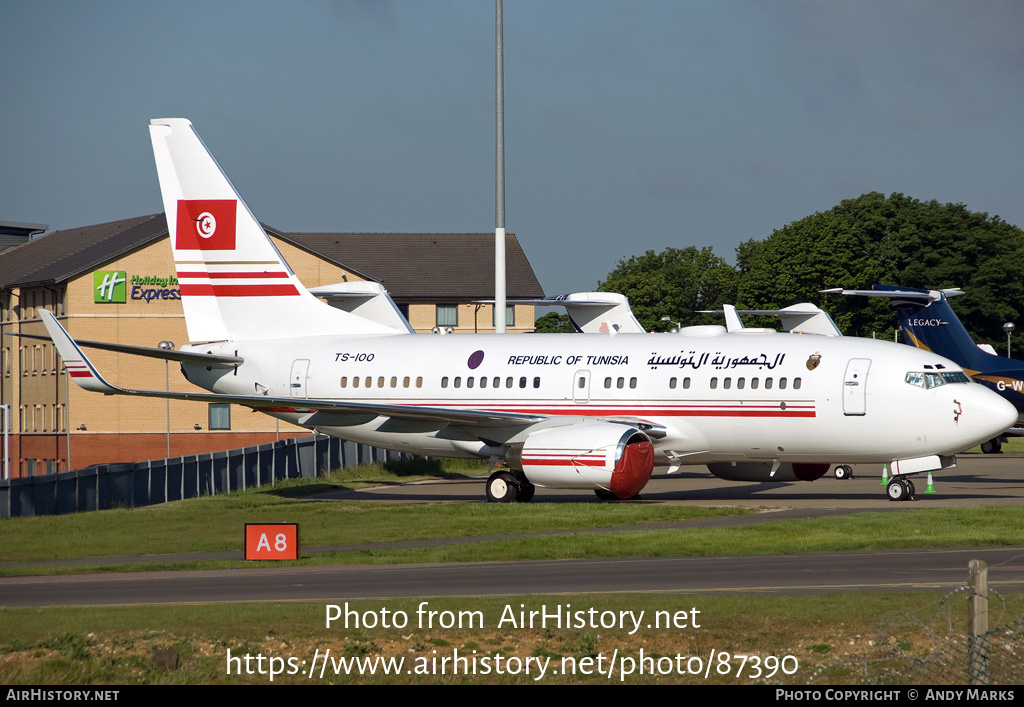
[[762, 471], [589, 455]]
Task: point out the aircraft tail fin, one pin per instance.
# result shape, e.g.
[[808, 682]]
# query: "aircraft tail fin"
[[234, 283]]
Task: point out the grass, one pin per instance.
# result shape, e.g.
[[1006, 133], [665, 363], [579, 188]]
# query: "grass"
[[215, 523], [831, 639], [1013, 445], [848, 638], [505, 531]]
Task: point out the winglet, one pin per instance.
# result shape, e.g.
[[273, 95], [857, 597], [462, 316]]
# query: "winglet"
[[79, 367]]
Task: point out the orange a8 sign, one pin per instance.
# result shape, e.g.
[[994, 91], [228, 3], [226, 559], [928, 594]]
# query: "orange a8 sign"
[[271, 541]]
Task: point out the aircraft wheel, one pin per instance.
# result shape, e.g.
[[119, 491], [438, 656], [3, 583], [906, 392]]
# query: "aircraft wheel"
[[993, 446], [897, 490], [525, 493], [844, 472], [913, 491], [502, 488]]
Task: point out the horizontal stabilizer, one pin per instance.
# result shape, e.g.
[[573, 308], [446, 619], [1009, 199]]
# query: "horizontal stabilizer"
[[803, 318], [899, 294], [592, 312], [203, 359]]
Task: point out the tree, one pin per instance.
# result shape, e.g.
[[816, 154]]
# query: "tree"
[[673, 283], [553, 323], [889, 240]]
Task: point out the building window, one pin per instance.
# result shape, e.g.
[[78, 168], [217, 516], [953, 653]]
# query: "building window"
[[447, 315], [510, 315], [220, 416]]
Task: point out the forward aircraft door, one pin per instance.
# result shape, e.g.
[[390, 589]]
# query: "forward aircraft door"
[[855, 386], [300, 369]]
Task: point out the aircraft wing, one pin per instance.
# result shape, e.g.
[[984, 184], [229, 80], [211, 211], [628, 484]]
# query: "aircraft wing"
[[84, 373]]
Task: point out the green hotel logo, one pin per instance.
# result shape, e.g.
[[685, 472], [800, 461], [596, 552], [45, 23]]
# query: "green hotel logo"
[[109, 286]]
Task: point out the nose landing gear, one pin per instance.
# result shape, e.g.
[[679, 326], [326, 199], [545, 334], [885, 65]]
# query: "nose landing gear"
[[900, 489]]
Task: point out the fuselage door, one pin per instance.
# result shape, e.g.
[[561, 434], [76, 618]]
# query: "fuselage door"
[[581, 387], [300, 369], [855, 386]]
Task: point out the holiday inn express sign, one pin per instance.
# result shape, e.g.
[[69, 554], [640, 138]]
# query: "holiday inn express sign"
[[115, 287]]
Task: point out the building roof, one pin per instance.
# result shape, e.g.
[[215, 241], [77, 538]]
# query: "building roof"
[[430, 266], [61, 255]]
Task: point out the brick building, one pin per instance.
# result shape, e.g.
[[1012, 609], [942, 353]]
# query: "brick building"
[[115, 282]]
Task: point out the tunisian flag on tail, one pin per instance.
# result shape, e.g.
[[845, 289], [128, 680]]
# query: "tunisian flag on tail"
[[206, 224]]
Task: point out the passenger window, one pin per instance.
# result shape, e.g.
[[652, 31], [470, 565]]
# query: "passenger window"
[[469, 382], [368, 383], [344, 381], [727, 383], [483, 381], [522, 382], [672, 383], [620, 383], [405, 382], [581, 383], [686, 383], [394, 381], [419, 381], [714, 383], [444, 382], [797, 383], [767, 383], [355, 382], [380, 382], [753, 383], [607, 382], [632, 383], [457, 382], [740, 382], [782, 383], [508, 382], [536, 382]]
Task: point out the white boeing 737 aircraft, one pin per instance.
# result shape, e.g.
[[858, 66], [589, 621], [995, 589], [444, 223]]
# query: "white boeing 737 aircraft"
[[573, 411]]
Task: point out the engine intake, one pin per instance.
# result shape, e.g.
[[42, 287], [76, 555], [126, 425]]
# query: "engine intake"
[[590, 455]]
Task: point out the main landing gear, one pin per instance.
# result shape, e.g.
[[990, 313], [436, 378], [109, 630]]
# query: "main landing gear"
[[507, 486], [993, 446], [900, 489], [844, 471]]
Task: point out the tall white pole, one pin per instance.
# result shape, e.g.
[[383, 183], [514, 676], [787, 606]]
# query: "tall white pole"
[[499, 195]]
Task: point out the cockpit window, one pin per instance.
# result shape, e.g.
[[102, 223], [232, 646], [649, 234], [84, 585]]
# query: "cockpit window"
[[955, 377], [928, 379]]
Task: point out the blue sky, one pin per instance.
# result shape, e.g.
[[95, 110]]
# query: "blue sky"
[[628, 125]]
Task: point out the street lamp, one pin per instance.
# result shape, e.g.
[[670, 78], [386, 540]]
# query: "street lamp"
[[678, 325], [1008, 328], [167, 346]]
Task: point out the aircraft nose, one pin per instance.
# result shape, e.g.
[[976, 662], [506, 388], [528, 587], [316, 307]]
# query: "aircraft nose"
[[990, 414]]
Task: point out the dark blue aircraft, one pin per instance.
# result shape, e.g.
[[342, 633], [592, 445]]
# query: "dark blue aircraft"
[[928, 322]]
